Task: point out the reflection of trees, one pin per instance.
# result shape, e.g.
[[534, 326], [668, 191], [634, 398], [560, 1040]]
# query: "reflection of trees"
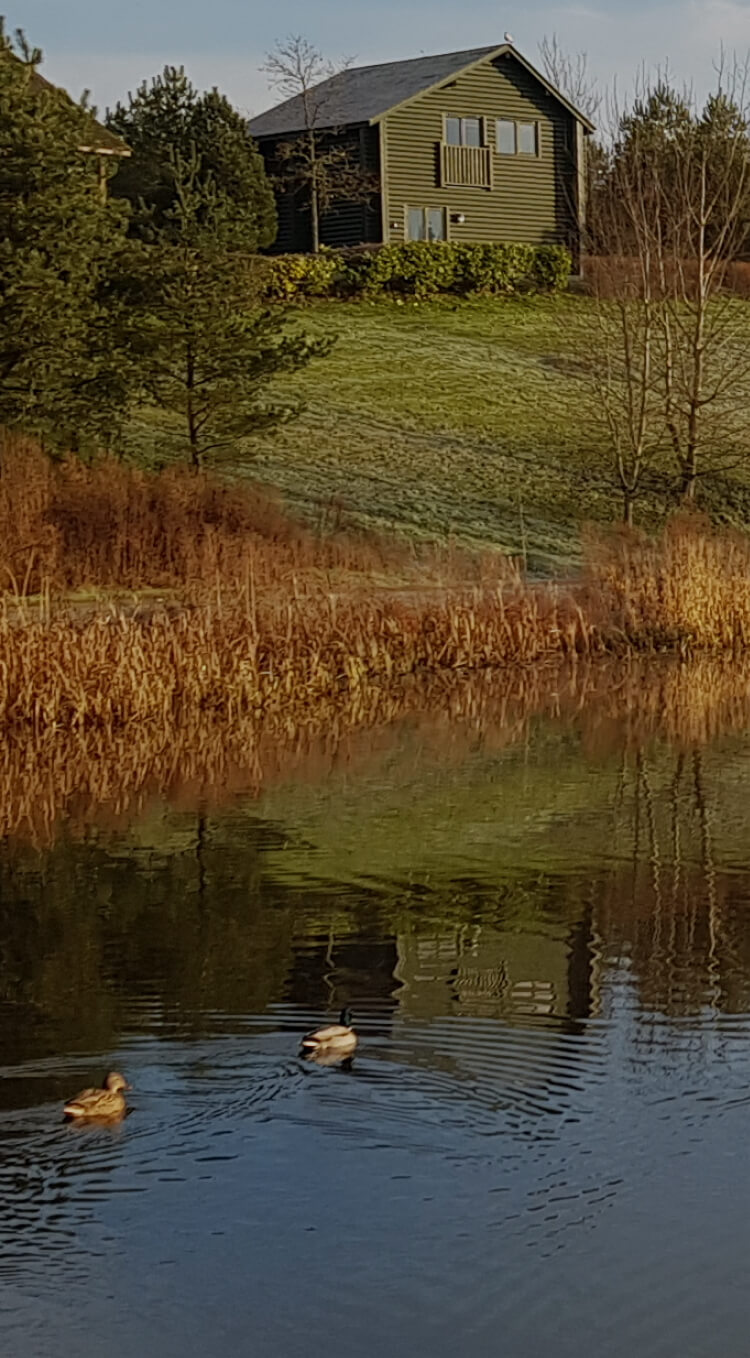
[[87, 932], [98, 936], [186, 916], [674, 914]]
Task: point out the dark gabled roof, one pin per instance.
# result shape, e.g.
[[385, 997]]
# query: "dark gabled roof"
[[94, 137], [365, 94]]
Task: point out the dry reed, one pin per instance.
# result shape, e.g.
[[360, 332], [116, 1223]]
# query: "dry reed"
[[268, 620], [239, 656], [200, 763], [688, 590]]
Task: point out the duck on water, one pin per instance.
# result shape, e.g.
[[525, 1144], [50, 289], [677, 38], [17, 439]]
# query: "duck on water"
[[337, 1042], [107, 1103]]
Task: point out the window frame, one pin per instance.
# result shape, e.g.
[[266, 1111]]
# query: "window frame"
[[517, 154], [462, 118], [533, 123], [509, 122], [426, 208]]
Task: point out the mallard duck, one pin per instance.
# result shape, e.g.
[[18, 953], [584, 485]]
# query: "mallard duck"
[[337, 1041], [107, 1102]]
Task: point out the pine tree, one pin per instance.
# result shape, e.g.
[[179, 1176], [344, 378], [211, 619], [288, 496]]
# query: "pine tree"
[[168, 119], [207, 348], [60, 372]]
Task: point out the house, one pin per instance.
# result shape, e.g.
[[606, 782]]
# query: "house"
[[96, 140], [466, 146]]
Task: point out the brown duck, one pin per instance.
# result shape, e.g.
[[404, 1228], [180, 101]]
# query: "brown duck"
[[105, 1103]]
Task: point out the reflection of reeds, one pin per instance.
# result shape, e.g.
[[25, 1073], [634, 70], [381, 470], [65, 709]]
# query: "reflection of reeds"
[[201, 760]]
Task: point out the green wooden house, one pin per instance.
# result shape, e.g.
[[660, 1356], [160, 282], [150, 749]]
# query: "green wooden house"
[[466, 146]]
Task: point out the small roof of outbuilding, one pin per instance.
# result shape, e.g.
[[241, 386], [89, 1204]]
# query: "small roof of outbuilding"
[[365, 94], [95, 138]]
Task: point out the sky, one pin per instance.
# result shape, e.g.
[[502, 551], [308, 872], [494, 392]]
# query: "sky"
[[109, 46]]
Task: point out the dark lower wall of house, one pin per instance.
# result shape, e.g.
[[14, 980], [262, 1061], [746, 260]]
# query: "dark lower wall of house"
[[346, 222]]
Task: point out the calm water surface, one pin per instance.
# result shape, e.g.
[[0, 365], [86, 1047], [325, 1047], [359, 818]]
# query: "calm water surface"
[[542, 1144]]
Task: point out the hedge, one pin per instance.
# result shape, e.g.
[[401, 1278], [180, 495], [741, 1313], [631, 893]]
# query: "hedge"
[[420, 269]]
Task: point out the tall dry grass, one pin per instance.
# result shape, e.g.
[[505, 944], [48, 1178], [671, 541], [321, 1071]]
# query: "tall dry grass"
[[240, 655], [109, 776], [259, 625], [687, 590], [69, 526]]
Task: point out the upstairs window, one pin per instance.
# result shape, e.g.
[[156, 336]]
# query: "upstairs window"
[[515, 138], [527, 137], [506, 137], [463, 131]]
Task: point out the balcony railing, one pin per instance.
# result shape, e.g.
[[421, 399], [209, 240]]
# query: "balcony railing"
[[465, 166]]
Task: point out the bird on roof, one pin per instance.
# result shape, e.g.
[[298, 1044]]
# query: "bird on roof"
[[508, 37]]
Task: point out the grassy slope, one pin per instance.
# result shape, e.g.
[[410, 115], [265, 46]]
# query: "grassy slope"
[[443, 418], [446, 418]]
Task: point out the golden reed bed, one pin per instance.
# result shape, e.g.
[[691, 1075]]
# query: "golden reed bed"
[[259, 634], [202, 762]]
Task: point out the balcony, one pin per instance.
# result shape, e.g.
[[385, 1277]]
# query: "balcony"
[[465, 166]]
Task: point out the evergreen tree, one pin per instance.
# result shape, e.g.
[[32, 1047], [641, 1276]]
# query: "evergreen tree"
[[60, 371], [679, 155], [168, 120], [207, 348]]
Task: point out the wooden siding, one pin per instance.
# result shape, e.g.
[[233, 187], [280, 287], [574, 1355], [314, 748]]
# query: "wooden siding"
[[346, 223], [532, 198]]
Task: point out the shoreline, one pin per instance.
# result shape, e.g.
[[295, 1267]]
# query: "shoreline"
[[203, 761]]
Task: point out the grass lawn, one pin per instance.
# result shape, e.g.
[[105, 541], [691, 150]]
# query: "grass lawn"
[[444, 418]]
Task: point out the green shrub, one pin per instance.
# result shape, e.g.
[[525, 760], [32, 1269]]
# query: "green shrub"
[[550, 268], [492, 268], [303, 275], [421, 269]]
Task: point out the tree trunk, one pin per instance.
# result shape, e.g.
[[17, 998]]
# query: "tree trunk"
[[196, 457], [688, 478], [627, 509], [314, 206]]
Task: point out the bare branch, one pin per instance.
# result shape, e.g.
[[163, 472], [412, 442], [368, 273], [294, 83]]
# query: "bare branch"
[[570, 74], [322, 160]]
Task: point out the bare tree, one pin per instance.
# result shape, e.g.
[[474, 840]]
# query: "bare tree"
[[326, 167], [667, 362], [570, 74], [618, 337], [706, 366]]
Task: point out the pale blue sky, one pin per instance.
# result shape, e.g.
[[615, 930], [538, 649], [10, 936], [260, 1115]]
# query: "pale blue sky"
[[109, 46]]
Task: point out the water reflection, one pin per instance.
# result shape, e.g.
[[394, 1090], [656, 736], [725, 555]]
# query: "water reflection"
[[538, 913]]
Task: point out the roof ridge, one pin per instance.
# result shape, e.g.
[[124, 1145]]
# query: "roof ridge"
[[364, 94], [408, 61]]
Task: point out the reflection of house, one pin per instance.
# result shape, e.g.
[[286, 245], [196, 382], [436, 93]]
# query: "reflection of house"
[[493, 973], [465, 146]]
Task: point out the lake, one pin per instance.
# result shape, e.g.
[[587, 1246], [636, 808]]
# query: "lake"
[[539, 913]]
